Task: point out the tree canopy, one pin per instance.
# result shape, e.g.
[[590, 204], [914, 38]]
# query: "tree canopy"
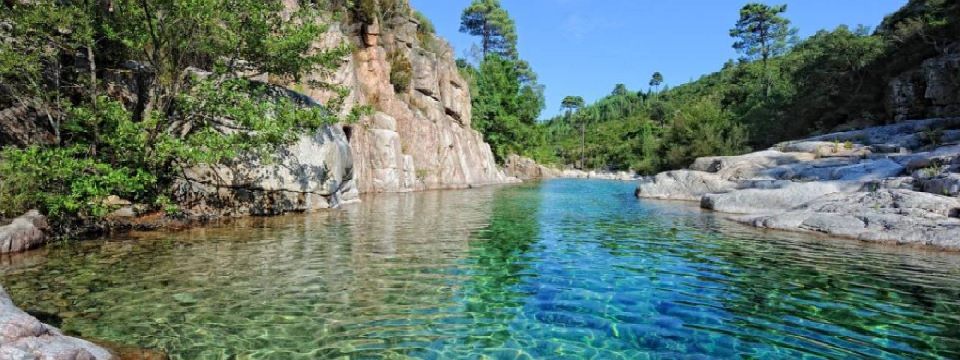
[[194, 107], [497, 31]]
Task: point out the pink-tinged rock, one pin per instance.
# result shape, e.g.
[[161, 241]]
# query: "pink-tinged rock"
[[24, 233]]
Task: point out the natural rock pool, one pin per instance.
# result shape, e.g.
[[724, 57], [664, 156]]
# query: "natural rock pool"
[[564, 269]]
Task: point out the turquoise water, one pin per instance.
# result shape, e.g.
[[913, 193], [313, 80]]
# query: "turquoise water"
[[563, 269]]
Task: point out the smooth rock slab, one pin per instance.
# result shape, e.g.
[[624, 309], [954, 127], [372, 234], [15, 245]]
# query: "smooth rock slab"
[[773, 201], [762, 159], [869, 171], [888, 216]]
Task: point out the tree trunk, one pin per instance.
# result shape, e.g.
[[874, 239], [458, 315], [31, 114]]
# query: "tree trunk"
[[93, 97], [583, 136]]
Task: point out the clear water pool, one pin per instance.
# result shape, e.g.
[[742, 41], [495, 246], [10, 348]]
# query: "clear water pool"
[[562, 269]]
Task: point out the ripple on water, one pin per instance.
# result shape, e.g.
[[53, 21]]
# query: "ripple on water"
[[561, 269]]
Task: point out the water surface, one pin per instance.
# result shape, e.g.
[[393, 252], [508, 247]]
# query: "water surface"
[[565, 269]]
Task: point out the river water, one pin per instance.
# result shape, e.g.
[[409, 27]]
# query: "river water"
[[564, 269]]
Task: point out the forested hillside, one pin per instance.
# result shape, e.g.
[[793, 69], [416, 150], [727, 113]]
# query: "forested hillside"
[[781, 88]]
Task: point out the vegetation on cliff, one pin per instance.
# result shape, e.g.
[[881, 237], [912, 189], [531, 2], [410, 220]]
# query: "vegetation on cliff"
[[128, 93]]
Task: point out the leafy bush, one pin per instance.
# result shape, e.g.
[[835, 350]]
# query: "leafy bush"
[[103, 148], [401, 72]]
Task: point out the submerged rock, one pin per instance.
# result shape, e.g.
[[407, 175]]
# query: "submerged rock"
[[24, 337]]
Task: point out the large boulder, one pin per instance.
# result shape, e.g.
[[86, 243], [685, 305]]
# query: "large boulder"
[[762, 159], [868, 170], [527, 169], [24, 233], [313, 174], [23, 337]]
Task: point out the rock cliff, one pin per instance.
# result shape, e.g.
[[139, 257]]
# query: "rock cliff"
[[930, 91], [419, 136]]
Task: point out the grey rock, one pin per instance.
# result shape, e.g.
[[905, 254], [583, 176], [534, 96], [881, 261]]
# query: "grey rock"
[[889, 216], [684, 185], [763, 159], [24, 337], [24, 233], [869, 170], [929, 91], [946, 184], [312, 174], [772, 201], [886, 192]]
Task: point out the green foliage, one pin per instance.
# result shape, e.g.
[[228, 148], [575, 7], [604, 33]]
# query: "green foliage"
[[370, 11], [505, 110], [401, 72], [656, 80], [833, 78], [488, 20], [103, 148], [761, 32], [506, 97], [703, 128], [426, 27]]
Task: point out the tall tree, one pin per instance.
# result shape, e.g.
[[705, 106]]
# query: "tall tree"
[[656, 80], [762, 33], [489, 20], [620, 90], [573, 104]]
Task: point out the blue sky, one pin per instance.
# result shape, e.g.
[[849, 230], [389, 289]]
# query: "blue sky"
[[585, 47]]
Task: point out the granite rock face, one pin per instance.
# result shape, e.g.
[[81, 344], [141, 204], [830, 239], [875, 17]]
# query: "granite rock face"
[[418, 138], [885, 184], [313, 174], [23, 337], [933, 90]]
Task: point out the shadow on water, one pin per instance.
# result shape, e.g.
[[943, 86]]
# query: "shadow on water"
[[562, 269]]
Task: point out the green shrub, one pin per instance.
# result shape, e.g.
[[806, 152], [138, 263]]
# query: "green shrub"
[[401, 72], [65, 181], [426, 26]]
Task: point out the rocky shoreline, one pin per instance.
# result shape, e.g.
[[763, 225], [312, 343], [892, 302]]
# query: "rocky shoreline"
[[895, 184], [524, 168]]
